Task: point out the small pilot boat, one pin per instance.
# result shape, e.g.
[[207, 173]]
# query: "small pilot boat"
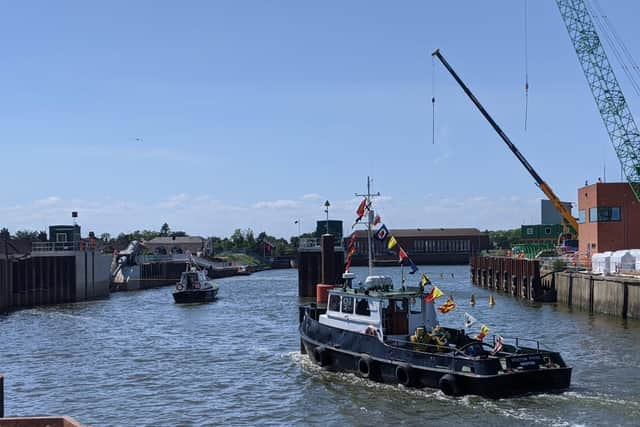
[[194, 286]]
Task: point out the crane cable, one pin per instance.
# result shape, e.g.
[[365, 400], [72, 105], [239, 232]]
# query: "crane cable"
[[526, 68], [433, 101], [615, 42]]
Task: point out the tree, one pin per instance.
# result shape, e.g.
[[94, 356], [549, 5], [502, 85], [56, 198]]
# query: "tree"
[[4, 233], [105, 237], [27, 234], [42, 236], [237, 238], [164, 230]]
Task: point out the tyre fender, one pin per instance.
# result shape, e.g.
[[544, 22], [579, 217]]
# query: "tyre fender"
[[404, 375], [449, 385]]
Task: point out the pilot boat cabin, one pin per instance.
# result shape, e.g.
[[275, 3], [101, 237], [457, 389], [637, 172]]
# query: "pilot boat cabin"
[[378, 309]]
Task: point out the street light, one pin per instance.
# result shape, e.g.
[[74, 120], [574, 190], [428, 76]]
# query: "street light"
[[299, 222], [326, 210]]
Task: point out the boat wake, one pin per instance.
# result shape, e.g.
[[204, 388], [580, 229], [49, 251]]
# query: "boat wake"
[[529, 409]]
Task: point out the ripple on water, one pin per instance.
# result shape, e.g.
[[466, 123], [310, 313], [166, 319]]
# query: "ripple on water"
[[137, 358]]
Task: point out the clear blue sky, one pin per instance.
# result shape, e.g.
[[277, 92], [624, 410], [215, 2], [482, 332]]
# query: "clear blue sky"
[[252, 113]]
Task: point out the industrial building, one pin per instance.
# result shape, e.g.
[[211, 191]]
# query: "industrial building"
[[608, 218], [424, 245]]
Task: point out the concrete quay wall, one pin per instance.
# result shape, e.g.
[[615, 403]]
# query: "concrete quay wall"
[[614, 295]]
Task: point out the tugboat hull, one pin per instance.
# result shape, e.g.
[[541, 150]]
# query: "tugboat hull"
[[195, 296], [368, 357]]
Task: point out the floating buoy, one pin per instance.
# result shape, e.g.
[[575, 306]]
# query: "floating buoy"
[[473, 300], [491, 300]]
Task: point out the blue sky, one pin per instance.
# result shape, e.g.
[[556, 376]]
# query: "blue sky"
[[253, 113]]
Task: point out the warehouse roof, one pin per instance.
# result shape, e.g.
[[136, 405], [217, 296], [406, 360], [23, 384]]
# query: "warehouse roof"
[[430, 232]]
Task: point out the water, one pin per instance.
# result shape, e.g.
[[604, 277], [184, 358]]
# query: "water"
[[139, 359]]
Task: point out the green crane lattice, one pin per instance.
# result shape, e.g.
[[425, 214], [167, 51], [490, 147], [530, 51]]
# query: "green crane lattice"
[[606, 91]]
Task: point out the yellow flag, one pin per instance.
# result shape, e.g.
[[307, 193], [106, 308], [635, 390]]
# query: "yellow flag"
[[392, 242], [424, 280]]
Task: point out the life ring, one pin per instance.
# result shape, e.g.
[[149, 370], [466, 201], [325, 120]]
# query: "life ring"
[[321, 355], [448, 385], [404, 375], [179, 286], [364, 367]]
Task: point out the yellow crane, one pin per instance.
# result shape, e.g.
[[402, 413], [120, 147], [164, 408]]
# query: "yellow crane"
[[569, 220]]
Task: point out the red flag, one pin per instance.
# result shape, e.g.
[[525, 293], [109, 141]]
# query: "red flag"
[[360, 210], [403, 255], [377, 220]]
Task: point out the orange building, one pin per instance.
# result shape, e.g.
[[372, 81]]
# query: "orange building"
[[608, 217]]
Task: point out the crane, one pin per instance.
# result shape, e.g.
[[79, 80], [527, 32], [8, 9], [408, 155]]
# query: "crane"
[[562, 209], [604, 86]]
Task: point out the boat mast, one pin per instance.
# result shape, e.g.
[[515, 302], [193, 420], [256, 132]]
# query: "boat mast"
[[368, 196]]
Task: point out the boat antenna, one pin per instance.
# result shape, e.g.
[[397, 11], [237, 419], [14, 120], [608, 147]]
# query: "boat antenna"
[[369, 196]]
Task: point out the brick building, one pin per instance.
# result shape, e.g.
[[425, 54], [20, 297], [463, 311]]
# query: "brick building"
[[424, 245], [608, 217]]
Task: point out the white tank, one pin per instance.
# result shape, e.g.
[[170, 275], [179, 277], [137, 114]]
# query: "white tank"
[[623, 261], [601, 263]]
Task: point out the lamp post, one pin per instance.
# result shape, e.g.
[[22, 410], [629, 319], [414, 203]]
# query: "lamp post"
[[297, 221], [326, 210]]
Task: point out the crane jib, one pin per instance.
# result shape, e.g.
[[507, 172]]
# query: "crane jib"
[[564, 212]]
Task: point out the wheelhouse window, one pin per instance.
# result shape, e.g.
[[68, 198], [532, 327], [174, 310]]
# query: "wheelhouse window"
[[362, 307], [604, 214], [347, 304], [334, 303]]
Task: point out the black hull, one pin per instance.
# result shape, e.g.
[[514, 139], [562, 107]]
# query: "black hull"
[[368, 357], [195, 296]]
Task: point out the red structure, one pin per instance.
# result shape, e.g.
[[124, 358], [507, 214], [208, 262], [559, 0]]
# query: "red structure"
[[608, 217]]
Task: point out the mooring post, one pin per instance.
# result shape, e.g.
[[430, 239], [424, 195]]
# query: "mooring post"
[[328, 276], [1, 396]]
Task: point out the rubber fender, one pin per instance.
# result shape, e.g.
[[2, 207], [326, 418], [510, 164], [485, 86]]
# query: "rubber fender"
[[404, 375], [364, 367], [449, 385], [321, 355]]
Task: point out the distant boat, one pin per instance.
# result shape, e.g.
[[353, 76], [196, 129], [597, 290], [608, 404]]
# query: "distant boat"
[[195, 286]]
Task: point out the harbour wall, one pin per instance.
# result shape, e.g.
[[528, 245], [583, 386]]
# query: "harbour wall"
[[53, 278], [614, 295], [514, 276]]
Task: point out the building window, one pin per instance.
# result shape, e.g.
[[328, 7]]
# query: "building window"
[[347, 304], [61, 237], [419, 245], [362, 307], [334, 303], [529, 231], [604, 214], [582, 216], [547, 230]]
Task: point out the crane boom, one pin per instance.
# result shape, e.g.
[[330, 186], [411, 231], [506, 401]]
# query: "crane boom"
[[566, 215], [604, 86]]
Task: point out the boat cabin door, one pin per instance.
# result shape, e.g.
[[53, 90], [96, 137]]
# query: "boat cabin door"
[[395, 317]]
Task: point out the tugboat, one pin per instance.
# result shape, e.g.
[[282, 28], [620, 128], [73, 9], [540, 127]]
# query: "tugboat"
[[194, 286], [392, 335]]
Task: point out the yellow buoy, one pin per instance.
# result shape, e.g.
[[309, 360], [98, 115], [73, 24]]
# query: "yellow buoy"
[[473, 300], [491, 300]]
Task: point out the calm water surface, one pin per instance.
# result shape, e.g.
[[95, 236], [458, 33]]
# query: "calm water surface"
[[139, 359]]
